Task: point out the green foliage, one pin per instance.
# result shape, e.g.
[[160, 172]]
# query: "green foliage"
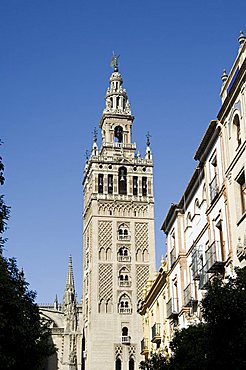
[[156, 362], [219, 342], [24, 339], [4, 210]]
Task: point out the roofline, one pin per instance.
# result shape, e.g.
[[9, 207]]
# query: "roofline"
[[206, 139]]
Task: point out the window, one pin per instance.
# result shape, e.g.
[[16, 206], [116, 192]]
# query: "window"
[[123, 232], [214, 188], [242, 189], [118, 133], [124, 305], [135, 185], [144, 186], [100, 183], [118, 364], [236, 122], [124, 277], [110, 184], [122, 177], [123, 254], [131, 364]]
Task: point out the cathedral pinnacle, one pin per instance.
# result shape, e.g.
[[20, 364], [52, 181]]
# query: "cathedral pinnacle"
[[114, 62]]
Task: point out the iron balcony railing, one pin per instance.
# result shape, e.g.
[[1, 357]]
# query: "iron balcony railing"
[[189, 295], [214, 188], [144, 346], [156, 333], [126, 339], [125, 311], [197, 262], [214, 260], [124, 258], [204, 278], [172, 308], [125, 283]]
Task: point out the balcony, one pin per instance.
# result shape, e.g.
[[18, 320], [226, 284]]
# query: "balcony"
[[124, 283], [172, 308], [125, 339], [214, 188], [125, 311], [214, 260], [189, 296], [124, 237], [124, 258], [172, 257], [144, 346], [156, 333], [197, 261], [204, 278]]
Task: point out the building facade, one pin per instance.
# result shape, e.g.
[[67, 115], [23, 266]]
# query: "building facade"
[[206, 230], [118, 237]]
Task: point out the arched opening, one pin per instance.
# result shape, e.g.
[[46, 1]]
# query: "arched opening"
[[123, 232], [118, 134], [122, 180], [236, 122], [124, 304], [131, 364], [118, 364]]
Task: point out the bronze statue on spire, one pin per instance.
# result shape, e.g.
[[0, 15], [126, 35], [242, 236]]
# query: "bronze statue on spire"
[[114, 62]]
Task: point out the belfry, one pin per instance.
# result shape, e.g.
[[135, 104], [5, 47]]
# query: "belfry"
[[118, 237]]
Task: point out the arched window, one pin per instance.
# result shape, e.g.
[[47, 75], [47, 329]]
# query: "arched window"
[[123, 254], [139, 255], [122, 180], [131, 364], [124, 304], [125, 335], [124, 279], [236, 122], [145, 255], [108, 254], [123, 232], [118, 364], [118, 134]]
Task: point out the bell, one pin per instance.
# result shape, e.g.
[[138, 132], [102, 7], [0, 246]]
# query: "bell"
[[122, 178]]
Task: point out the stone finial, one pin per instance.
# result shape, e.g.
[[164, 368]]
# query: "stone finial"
[[95, 135], [56, 303], [241, 38], [224, 76]]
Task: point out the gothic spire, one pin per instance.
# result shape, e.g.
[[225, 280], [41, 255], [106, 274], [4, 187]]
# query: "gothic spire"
[[69, 292], [70, 279]]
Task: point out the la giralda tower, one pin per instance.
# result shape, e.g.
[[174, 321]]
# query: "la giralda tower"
[[118, 237]]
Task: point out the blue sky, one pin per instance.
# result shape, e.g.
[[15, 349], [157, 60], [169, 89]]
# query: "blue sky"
[[54, 71]]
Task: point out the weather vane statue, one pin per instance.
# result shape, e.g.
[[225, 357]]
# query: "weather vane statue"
[[114, 62], [148, 136]]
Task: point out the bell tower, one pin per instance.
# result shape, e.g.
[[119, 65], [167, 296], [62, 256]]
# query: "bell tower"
[[118, 237]]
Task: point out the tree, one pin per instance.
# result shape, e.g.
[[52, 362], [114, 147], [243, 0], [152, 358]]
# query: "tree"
[[220, 341], [24, 339], [156, 362], [4, 210]]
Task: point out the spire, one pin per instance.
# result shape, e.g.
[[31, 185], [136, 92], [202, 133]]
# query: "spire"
[[70, 280], [69, 292], [116, 97]]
